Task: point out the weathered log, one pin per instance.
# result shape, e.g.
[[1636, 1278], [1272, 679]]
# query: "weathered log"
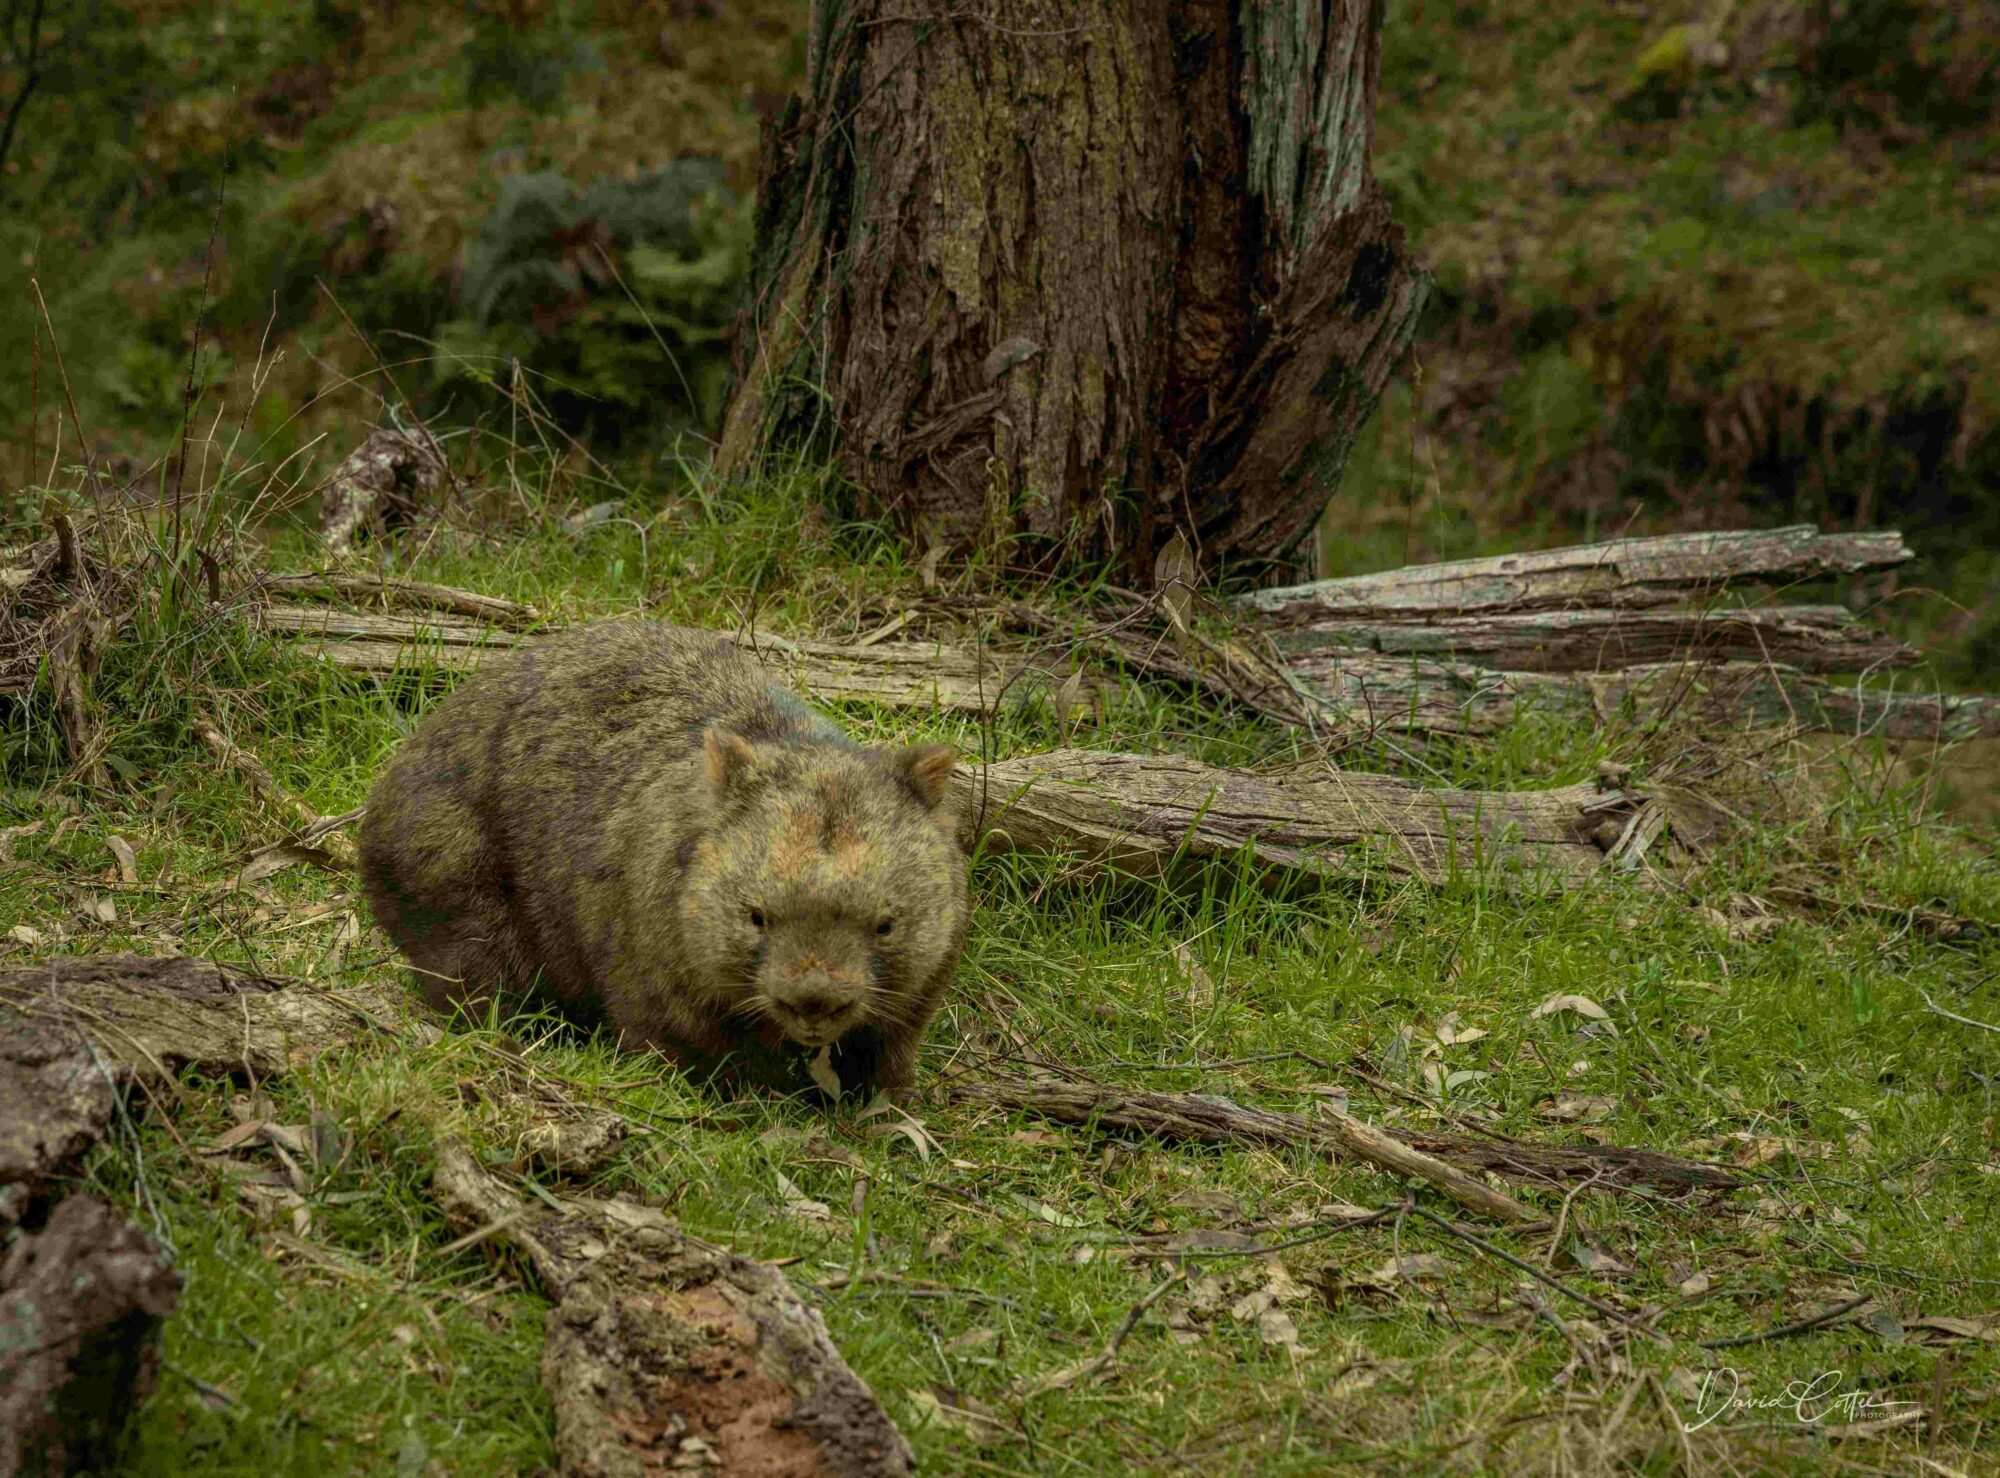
[[1143, 811], [1622, 572], [1810, 638], [1416, 696], [895, 674], [414, 595], [81, 1300], [76, 1033], [667, 1354], [1203, 1118]]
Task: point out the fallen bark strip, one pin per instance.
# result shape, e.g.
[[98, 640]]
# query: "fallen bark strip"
[[379, 485], [415, 595], [1811, 638], [81, 1303], [1420, 696], [901, 675], [1143, 811], [667, 1354], [1621, 572], [76, 1034], [1205, 1119]]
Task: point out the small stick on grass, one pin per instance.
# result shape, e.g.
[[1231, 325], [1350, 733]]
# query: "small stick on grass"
[[1786, 1331], [1101, 1361], [1985, 1026], [307, 822], [1616, 1315]]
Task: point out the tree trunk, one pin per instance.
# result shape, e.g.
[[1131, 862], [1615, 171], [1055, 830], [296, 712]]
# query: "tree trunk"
[[1070, 278]]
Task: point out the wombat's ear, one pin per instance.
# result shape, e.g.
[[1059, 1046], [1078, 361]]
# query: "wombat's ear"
[[727, 756], [926, 768]]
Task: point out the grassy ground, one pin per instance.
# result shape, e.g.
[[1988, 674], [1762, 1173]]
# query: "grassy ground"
[[350, 1339]]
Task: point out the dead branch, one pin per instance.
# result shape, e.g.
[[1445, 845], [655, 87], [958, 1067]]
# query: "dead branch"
[[666, 1353], [1143, 811], [1206, 1119], [75, 1034], [1810, 638], [416, 595], [1622, 572]]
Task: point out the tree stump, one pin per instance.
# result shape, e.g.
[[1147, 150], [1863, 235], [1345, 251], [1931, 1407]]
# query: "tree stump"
[[1074, 278]]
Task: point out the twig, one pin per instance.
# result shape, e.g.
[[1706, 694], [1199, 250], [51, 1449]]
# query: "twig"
[[1101, 1361], [1985, 1026], [1786, 1331], [1616, 1315]]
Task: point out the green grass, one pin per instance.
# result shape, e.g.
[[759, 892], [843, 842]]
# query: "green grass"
[[355, 1343]]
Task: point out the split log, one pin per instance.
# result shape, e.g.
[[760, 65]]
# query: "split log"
[[379, 485], [667, 1354], [1205, 1119], [1143, 811], [1622, 572], [895, 674], [81, 1300], [414, 595], [1810, 638], [1417, 696], [76, 1034]]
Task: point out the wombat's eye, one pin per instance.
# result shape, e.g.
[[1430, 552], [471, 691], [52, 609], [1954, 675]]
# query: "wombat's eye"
[[756, 918], [882, 929]]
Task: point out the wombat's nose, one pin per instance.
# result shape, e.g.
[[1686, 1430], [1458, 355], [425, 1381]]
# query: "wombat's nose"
[[814, 1004]]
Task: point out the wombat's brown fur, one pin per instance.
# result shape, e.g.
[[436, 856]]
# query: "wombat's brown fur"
[[634, 818]]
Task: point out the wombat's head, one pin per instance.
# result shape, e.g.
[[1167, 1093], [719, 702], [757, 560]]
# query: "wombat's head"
[[830, 893]]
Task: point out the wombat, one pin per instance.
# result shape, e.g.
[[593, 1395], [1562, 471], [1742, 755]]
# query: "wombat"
[[633, 820]]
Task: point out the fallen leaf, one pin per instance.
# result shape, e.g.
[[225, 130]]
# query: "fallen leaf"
[[798, 1205], [1574, 1108], [26, 934], [1694, 1285], [1217, 1202], [127, 860], [953, 1408], [1067, 692], [1451, 1034], [1048, 1213], [821, 1069], [1201, 989], [1038, 1138], [908, 1127], [1275, 1327], [1580, 1005], [10, 835], [274, 859], [99, 909], [1173, 577]]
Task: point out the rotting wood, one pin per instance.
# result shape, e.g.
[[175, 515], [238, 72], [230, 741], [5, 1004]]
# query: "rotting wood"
[[1810, 638], [81, 1301], [76, 1034], [1420, 696], [379, 485], [1620, 572], [667, 1354], [895, 674], [1206, 1119], [1142, 811], [415, 595]]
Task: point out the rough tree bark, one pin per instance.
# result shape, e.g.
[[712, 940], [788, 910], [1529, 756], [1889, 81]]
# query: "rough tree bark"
[[1078, 276]]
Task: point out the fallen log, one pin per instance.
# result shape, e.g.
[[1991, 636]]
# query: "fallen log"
[[416, 595], [1141, 812], [1419, 696], [77, 1034], [1810, 638], [81, 1302], [895, 674], [668, 1354], [1621, 572], [379, 485], [1205, 1119]]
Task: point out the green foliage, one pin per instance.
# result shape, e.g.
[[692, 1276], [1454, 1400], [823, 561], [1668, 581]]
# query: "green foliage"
[[619, 295]]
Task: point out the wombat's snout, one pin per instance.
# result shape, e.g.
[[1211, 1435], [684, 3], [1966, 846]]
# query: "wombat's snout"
[[813, 1003]]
